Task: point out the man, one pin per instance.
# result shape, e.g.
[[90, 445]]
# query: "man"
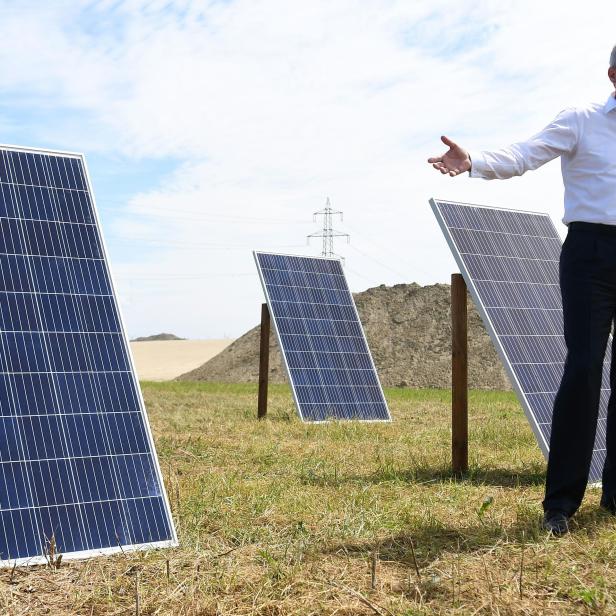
[[585, 139]]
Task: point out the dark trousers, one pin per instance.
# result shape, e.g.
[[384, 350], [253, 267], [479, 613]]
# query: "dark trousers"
[[588, 288]]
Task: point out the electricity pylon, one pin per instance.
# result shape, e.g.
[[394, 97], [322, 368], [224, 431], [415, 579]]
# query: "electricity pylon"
[[328, 233]]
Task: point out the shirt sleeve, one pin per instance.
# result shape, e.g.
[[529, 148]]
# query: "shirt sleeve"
[[557, 138]]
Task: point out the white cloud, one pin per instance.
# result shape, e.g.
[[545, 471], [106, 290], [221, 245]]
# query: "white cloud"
[[273, 105]]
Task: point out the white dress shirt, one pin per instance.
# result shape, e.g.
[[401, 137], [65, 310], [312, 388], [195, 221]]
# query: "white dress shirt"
[[585, 140]]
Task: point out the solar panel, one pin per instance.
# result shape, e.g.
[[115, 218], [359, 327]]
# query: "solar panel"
[[77, 463], [509, 260], [324, 348]]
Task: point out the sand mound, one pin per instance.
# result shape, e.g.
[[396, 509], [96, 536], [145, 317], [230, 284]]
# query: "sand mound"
[[157, 338], [409, 333], [163, 360]]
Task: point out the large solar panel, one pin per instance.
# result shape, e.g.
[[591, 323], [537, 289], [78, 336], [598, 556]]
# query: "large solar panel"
[[78, 470], [509, 260], [328, 362]]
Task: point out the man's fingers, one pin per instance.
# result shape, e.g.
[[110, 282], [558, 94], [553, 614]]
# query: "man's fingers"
[[439, 165], [448, 142], [435, 159]]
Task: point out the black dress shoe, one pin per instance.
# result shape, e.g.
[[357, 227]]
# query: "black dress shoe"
[[609, 506], [555, 522]]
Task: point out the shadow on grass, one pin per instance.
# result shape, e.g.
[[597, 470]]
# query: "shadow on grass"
[[427, 543], [502, 477]]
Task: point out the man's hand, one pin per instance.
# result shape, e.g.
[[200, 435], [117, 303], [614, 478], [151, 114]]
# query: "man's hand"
[[455, 161]]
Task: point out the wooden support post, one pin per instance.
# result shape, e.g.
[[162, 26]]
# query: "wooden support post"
[[459, 375], [263, 362]]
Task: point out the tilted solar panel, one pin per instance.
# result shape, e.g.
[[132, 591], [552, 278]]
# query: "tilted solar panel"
[[78, 468], [322, 341], [509, 260]]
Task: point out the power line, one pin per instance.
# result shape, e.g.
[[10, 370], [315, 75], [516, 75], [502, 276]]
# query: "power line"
[[382, 248], [192, 216], [182, 245], [173, 277], [383, 265]]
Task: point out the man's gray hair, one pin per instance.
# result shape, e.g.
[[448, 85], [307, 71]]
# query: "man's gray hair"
[[613, 57]]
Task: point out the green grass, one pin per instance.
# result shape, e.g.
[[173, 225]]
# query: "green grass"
[[280, 517]]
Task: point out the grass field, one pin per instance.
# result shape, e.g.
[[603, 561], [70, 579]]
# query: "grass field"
[[277, 517]]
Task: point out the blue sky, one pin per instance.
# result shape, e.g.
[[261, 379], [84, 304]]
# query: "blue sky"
[[215, 128]]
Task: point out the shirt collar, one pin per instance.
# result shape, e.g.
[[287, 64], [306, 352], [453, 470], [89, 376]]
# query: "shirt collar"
[[611, 104]]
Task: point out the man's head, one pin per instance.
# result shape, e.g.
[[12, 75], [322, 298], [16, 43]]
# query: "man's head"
[[611, 72]]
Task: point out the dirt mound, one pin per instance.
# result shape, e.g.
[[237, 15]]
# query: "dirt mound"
[[409, 333], [157, 337]]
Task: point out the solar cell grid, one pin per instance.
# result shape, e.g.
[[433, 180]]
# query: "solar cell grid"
[[323, 344], [77, 461], [509, 260]]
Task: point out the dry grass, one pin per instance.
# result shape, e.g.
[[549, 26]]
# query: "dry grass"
[[277, 517]]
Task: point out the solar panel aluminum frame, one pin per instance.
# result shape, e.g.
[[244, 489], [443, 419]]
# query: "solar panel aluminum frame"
[[284, 357], [173, 542], [543, 444]]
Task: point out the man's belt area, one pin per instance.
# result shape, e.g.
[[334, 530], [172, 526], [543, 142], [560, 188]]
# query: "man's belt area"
[[595, 227]]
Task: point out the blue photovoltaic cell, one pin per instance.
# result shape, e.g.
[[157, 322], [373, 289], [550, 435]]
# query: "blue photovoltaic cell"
[[77, 461], [323, 344], [509, 260]]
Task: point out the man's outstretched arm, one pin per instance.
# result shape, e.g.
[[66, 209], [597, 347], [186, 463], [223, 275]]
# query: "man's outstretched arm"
[[558, 138]]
